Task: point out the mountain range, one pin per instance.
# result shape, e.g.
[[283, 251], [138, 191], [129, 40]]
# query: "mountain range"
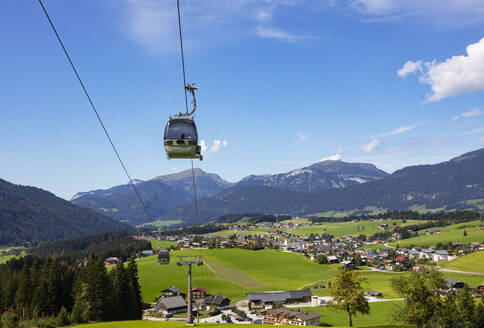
[[448, 185], [165, 193], [29, 214]]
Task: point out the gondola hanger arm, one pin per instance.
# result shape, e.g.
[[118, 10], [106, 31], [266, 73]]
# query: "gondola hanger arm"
[[190, 88]]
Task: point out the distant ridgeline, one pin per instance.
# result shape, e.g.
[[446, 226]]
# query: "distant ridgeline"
[[119, 244], [253, 218]]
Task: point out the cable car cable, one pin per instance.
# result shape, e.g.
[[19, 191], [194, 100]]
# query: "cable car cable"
[[96, 112], [182, 56], [187, 87]]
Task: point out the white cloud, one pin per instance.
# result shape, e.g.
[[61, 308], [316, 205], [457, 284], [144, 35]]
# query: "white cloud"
[[278, 34], [435, 11], [173, 169], [470, 132], [481, 140], [410, 67], [398, 130], [215, 147], [335, 157], [459, 74], [473, 112], [302, 137], [368, 148], [153, 24]]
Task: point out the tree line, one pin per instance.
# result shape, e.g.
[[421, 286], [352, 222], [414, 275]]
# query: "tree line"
[[444, 218], [57, 293], [120, 244]]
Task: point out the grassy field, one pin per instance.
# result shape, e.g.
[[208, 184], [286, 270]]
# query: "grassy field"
[[5, 258], [180, 324], [162, 243], [380, 314], [469, 279], [448, 234], [233, 272], [160, 223], [349, 228], [473, 262]]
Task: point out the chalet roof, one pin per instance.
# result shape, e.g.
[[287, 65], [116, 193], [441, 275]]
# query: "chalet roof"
[[278, 296], [172, 302], [215, 299], [199, 289], [172, 289]]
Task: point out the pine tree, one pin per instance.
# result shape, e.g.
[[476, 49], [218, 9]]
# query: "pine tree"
[[122, 301], [62, 318], [137, 303], [23, 296], [98, 290]]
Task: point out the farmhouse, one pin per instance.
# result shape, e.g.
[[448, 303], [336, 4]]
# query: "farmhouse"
[[111, 260], [199, 293], [172, 291], [285, 316], [216, 300], [262, 299], [171, 305], [163, 256]]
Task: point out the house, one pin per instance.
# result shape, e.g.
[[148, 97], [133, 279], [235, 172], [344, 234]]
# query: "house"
[[440, 255], [163, 256], [453, 283], [216, 300], [285, 316], [199, 293], [171, 305], [111, 260], [261, 299], [147, 252], [374, 293], [172, 291], [332, 259], [418, 267], [348, 265]]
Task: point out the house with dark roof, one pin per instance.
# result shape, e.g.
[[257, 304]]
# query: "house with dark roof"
[[171, 305], [216, 300], [453, 283], [261, 299], [172, 291], [285, 316]]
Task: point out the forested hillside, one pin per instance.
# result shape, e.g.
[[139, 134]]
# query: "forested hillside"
[[29, 214]]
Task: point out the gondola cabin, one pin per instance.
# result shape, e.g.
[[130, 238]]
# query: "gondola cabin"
[[181, 139]]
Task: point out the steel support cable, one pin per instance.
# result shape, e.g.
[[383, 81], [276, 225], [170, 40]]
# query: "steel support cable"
[[96, 112], [197, 215]]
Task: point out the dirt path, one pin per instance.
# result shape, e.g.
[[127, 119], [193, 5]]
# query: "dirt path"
[[465, 272]]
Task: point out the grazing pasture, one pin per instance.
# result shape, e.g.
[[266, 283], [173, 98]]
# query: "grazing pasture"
[[473, 262], [233, 272], [452, 233]]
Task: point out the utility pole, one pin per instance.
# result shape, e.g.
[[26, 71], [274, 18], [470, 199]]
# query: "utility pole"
[[189, 260]]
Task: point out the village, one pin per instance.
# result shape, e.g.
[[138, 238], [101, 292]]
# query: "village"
[[287, 307]]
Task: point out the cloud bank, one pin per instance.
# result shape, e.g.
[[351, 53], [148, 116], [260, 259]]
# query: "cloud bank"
[[455, 75]]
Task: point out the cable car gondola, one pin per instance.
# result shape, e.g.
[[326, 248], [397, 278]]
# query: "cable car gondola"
[[181, 137]]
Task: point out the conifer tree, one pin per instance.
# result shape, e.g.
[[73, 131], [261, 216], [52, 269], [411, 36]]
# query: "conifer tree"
[[23, 296], [98, 290], [137, 305], [122, 301]]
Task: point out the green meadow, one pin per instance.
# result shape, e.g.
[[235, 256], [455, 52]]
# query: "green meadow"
[[452, 233], [233, 272], [380, 314], [473, 262], [162, 243], [181, 324], [348, 228]]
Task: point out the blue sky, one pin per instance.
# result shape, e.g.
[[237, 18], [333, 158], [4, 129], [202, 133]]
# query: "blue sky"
[[283, 84]]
